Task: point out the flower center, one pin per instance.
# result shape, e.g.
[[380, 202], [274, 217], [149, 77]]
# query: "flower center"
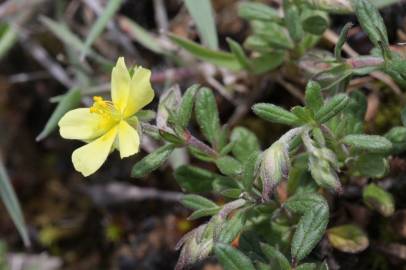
[[104, 108]]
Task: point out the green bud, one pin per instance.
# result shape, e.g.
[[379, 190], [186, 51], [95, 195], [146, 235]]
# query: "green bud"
[[322, 172], [195, 247], [274, 167]]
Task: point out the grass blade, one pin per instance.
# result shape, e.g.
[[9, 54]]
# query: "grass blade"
[[110, 10], [69, 101], [139, 34], [10, 200], [202, 13], [8, 37]]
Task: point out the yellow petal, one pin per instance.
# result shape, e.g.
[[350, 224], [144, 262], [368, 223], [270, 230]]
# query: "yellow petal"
[[81, 124], [89, 158], [120, 84], [141, 92], [128, 139]]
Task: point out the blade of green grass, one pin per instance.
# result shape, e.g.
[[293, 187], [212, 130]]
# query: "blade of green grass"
[[69, 101], [219, 58], [8, 38], [202, 13], [10, 200], [139, 34], [66, 36], [110, 10]]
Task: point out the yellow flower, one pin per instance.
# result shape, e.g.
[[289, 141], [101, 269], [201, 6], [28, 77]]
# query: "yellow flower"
[[105, 125]]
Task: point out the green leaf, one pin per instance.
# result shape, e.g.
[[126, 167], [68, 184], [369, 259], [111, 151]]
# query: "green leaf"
[[348, 238], [397, 135], [194, 179], [331, 6], [8, 37], [307, 266], [231, 258], [202, 14], [267, 61], [219, 58], [108, 12], [229, 165], [403, 116], [152, 161], [69, 101], [239, 54], [207, 115], [140, 35], [370, 143], [313, 97], [341, 40], [232, 228], [332, 107], [304, 114], [197, 202], [186, 106], [257, 11], [371, 21], [378, 199], [302, 202], [309, 231], [276, 258], [274, 34], [292, 20], [315, 21], [245, 142], [10, 200], [371, 165], [205, 212], [335, 76], [275, 114], [250, 168]]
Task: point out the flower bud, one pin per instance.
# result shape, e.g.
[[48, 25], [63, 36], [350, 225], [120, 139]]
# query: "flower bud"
[[322, 171], [274, 167], [196, 247]]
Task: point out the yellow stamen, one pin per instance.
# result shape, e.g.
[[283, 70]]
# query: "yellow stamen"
[[104, 108]]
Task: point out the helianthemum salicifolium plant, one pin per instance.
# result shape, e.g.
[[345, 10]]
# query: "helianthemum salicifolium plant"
[[109, 125], [276, 210]]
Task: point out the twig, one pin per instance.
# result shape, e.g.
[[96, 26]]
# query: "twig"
[[291, 89], [113, 29], [161, 18], [115, 193], [44, 59], [332, 37]]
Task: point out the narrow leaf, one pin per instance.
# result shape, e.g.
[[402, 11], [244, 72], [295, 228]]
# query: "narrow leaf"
[[141, 35], [332, 107], [275, 114], [371, 21], [152, 161], [245, 143], [219, 58], [276, 258], [202, 13], [108, 12], [10, 200], [69, 101], [186, 106], [313, 97], [197, 202], [309, 231], [194, 179], [231, 258], [371, 143], [207, 115]]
